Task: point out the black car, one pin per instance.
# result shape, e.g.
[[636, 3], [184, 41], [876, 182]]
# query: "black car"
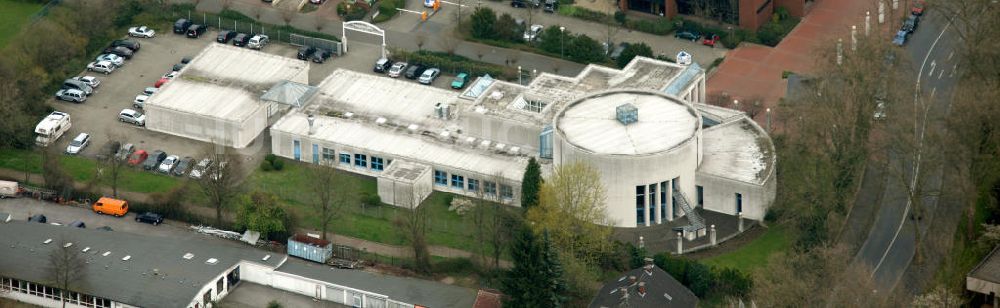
[[196, 31], [320, 55], [182, 25], [305, 52], [517, 3], [415, 71], [120, 51], [127, 43], [551, 6], [225, 36], [149, 218], [382, 65], [241, 39], [78, 224], [38, 218], [687, 35], [911, 23], [183, 166], [154, 160]]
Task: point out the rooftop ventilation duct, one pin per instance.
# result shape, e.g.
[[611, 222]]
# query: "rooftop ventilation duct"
[[413, 128], [312, 123], [381, 121], [627, 114]]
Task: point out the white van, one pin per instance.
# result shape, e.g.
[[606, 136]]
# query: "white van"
[[51, 128]]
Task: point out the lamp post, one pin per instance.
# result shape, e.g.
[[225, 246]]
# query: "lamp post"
[[768, 119], [562, 34], [736, 104], [519, 75]]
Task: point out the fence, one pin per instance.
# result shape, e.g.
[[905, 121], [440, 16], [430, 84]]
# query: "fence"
[[275, 33], [302, 40]]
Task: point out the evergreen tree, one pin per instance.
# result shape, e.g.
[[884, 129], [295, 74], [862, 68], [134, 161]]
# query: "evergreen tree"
[[520, 282], [555, 288], [483, 23], [531, 183], [633, 50]]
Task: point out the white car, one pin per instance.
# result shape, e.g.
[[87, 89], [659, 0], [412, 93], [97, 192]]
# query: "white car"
[[429, 75], [150, 91], [132, 116], [91, 81], [258, 41], [140, 101], [397, 69], [141, 31], [200, 168], [169, 163], [78, 144], [532, 32], [101, 67], [880, 112], [113, 58]]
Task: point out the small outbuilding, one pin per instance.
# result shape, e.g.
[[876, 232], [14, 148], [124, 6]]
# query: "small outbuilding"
[[648, 286]]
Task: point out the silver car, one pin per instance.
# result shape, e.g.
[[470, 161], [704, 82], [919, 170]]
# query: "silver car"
[[132, 116], [78, 144], [72, 95], [169, 163]]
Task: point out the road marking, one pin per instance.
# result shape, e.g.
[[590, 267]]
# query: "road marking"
[[916, 166], [452, 3], [941, 73], [951, 54], [933, 65], [933, 91], [954, 69]]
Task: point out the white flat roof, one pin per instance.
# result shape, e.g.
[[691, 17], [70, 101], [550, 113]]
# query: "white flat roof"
[[402, 100], [225, 82], [591, 123], [403, 145], [736, 150]]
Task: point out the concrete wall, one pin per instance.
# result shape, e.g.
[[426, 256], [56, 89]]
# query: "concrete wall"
[[268, 276], [237, 134], [212, 287], [796, 8], [489, 127], [720, 195]]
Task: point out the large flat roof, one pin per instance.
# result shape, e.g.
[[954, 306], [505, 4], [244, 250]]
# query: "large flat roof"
[[379, 96], [408, 290], [418, 146], [25, 256], [226, 82], [737, 150]]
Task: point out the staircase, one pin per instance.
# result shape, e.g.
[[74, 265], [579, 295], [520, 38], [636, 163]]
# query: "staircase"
[[697, 222]]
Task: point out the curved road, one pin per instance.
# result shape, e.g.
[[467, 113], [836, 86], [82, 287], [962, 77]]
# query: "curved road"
[[890, 246]]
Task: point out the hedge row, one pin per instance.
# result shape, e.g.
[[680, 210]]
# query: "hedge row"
[[454, 63]]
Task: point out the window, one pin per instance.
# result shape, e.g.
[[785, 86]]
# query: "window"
[[701, 195], [440, 177], [739, 202], [473, 185], [106, 303], [490, 188], [297, 150], [640, 204], [220, 286], [360, 160], [315, 153], [457, 181], [345, 158], [328, 154], [377, 164], [535, 106], [663, 200], [652, 203], [506, 192]]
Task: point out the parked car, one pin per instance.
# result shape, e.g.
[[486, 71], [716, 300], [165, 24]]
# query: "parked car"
[[199, 170], [415, 71], [320, 55], [551, 6], [113, 58], [125, 151], [710, 40], [910, 24], [91, 81], [154, 160], [397, 69], [900, 38], [517, 3], [918, 7], [110, 149], [38, 218], [429, 75], [225, 36], [140, 101], [305, 52], [687, 35], [382, 65], [316, 1], [168, 164], [195, 31], [111, 206], [616, 51], [460, 81], [183, 165], [532, 32], [149, 218], [241, 39], [879, 112], [170, 75], [79, 85], [149, 91], [78, 224], [181, 26], [132, 116], [105, 67], [71, 95], [258, 41], [120, 51], [141, 31], [162, 81], [78, 144], [132, 45], [138, 157]]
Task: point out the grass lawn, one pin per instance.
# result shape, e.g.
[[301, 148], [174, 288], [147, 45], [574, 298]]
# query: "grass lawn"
[[13, 16], [754, 254], [85, 170], [374, 223]]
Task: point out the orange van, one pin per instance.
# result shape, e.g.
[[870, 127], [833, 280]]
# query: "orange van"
[[111, 206]]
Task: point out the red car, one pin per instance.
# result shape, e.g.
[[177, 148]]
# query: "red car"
[[710, 40], [918, 7], [161, 82], [138, 157]]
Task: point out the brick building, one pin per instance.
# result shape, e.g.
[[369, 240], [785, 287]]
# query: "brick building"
[[748, 14]]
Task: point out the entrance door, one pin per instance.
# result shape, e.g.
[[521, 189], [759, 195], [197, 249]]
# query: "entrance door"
[[297, 149]]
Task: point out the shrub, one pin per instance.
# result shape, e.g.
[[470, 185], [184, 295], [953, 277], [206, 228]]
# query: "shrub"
[[633, 50], [388, 9], [483, 21], [351, 12], [620, 17], [270, 158], [659, 26], [585, 14], [266, 166], [273, 304], [453, 63], [278, 165], [703, 280]]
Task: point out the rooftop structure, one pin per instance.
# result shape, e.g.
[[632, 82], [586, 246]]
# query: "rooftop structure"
[[648, 286], [985, 278], [737, 151]]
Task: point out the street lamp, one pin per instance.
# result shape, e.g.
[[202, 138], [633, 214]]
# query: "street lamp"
[[736, 104], [519, 75], [768, 119], [562, 34]]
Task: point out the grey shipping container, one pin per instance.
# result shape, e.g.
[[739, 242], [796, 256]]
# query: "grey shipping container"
[[310, 248]]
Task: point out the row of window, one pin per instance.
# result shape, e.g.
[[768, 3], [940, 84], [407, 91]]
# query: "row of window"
[[359, 160], [441, 178], [15, 285]]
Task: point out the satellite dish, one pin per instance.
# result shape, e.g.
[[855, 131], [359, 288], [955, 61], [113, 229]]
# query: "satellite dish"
[[683, 58]]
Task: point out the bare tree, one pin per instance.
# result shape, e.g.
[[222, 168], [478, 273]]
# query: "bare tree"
[[413, 224], [319, 23], [331, 191], [220, 181], [113, 166], [66, 268], [287, 15], [491, 219]]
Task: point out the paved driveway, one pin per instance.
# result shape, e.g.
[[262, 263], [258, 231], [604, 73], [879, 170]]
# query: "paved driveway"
[[22, 208]]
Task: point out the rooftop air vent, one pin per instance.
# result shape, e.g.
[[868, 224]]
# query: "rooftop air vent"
[[380, 121], [188, 256], [106, 253], [627, 114], [212, 261], [413, 128], [348, 115]]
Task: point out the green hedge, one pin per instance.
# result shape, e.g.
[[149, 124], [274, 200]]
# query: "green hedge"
[[387, 9], [705, 280], [454, 63]]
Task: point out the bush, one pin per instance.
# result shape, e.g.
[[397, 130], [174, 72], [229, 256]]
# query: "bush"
[[266, 166], [273, 304], [278, 165], [620, 17], [483, 20], [388, 9], [585, 14], [351, 12], [703, 280], [271, 162], [659, 26]]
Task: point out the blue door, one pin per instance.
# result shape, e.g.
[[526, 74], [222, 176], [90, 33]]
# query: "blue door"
[[315, 153], [297, 150]]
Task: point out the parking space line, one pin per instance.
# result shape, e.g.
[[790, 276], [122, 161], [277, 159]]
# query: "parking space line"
[[951, 54], [933, 65], [941, 73], [954, 69]]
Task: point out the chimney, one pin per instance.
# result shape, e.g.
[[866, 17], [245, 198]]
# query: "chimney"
[[631, 280], [312, 123], [642, 289], [648, 267]]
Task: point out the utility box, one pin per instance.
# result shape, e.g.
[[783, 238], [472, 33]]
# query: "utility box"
[[310, 248]]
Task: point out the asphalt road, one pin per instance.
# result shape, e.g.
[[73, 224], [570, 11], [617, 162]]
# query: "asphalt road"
[[891, 243]]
